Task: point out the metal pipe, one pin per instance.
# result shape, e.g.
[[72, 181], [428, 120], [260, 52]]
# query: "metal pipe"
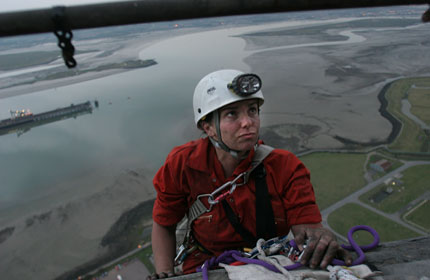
[[142, 11]]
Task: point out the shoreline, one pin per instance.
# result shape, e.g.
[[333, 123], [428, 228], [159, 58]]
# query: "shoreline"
[[46, 84], [128, 50], [61, 217]]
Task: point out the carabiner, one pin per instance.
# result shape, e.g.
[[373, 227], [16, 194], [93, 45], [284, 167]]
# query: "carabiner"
[[183, 253], [179, 256], [225, 185], [210, 201], [233, 188]]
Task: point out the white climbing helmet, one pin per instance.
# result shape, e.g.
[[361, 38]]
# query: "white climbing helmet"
[[223, 87]]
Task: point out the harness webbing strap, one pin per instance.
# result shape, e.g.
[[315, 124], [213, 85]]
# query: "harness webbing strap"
[[263, 207], [260, 154], [234, 221], [265, 221], [198, 208]]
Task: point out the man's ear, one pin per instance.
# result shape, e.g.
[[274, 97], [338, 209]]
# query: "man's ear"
[[208, 128]]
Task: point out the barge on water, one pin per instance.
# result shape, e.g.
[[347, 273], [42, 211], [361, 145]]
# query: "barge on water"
[[23, 120]]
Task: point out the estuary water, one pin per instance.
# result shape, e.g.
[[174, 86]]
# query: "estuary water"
[[142, 114]]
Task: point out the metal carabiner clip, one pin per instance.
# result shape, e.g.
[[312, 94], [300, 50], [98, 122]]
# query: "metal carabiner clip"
[[183, 253], [233, 188], [211, 201], [179, 256]]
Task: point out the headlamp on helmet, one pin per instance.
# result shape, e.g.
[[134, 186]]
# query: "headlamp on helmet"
[[245, 84], [223, 87]]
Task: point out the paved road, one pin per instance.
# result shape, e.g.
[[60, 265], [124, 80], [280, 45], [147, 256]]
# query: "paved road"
[[353, 198]]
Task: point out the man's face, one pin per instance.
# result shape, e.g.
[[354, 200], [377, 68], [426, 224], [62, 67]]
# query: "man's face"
[[239, 125]]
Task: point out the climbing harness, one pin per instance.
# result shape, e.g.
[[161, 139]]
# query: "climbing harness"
[[281, 245], [218, 195]]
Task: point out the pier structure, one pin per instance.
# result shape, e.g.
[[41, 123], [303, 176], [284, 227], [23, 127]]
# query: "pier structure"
[[21, 124]]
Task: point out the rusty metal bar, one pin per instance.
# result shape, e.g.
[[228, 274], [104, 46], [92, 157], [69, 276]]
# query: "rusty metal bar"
[[142, 11]]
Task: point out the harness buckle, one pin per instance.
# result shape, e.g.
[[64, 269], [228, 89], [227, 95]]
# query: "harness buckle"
[[211, 200]]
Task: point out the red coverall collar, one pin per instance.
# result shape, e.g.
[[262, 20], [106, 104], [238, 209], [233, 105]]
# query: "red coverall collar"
[[204, 159]]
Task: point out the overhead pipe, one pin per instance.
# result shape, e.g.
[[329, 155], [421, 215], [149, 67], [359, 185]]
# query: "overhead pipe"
[[143, 11]]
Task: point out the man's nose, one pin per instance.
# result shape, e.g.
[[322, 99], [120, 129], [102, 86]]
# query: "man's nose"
[[245, 120]]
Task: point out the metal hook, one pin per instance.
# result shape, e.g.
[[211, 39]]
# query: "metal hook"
[[64, 35]]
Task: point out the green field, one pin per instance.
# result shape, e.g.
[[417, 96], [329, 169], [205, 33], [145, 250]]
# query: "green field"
[[420, 101], [415, 181], [335, 175], [352, 214], [420, 216], [412, 138]]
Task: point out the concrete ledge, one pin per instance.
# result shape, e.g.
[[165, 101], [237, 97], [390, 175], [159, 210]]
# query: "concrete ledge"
[[404, 259]]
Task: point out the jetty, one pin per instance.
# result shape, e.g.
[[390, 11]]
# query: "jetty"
[[23, 120]]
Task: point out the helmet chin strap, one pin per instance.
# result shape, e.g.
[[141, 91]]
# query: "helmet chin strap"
[[220, 144]]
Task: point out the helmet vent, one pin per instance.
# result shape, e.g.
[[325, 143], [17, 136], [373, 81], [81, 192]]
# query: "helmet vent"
[[211, 90]]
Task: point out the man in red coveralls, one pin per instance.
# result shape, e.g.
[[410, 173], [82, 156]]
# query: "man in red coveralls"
[[226, 107]]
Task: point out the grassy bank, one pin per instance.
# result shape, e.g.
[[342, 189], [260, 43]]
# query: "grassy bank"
[[420, 101], [335, 175], [419, 216], [352, 214], [412, 138]]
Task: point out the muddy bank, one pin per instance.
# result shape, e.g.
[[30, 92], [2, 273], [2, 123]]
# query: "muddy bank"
[[121, 238], [395, 130], [67, 235], [6, 233], [336, 88]]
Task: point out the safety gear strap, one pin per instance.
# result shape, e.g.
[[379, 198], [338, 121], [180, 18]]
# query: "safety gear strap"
[[263, 207], [265, 224], [235, 222], [220, 144], [198, 208]]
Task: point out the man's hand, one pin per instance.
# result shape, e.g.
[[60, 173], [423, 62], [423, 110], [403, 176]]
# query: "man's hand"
[[161, 275], [321, 246]]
